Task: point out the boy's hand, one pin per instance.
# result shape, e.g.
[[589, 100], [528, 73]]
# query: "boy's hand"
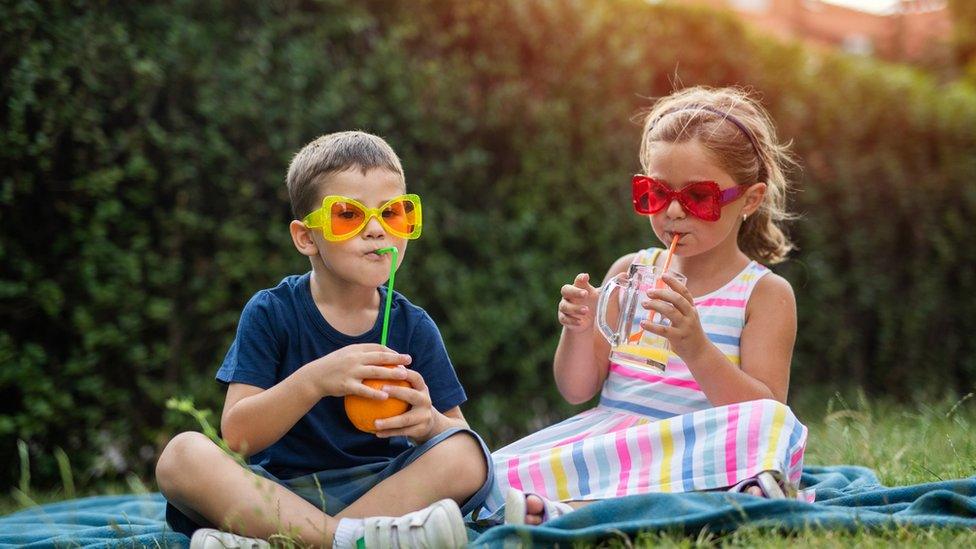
[[418, 422], [576, 308], [342, 372]]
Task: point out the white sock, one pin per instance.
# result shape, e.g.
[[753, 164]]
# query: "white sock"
[[348, 533]]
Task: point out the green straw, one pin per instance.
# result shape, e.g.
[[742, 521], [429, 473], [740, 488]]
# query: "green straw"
[[389, 290]]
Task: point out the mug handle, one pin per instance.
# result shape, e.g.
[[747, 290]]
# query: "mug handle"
[[601, 309]]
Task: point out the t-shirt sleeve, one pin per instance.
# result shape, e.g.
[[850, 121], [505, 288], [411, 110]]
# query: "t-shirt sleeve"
[[253, 357], [430, 360]]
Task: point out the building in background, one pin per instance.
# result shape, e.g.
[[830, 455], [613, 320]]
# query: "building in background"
[[913, 30]]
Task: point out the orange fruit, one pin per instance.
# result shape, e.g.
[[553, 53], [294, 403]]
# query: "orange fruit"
[[363, 412]]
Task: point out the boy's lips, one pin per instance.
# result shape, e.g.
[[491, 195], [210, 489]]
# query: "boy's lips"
[[373, 256]]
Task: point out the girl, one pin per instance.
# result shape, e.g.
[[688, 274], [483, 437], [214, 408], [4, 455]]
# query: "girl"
[[716, 417]]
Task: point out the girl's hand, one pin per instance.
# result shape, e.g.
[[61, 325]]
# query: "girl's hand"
[[418, 422], [676, 303], [342, 372], [576, 308]]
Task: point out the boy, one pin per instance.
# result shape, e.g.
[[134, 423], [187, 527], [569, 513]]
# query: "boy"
[[300, 348]]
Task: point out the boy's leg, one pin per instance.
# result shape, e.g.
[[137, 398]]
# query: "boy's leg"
[[455, 468], [202, 481]]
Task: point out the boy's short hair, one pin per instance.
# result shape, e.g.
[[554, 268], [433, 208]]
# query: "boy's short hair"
[[332, 153]]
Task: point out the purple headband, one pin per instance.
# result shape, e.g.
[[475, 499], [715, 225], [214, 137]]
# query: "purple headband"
[[726, 116]]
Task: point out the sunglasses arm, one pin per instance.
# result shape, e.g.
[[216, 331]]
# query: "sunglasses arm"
[[314, 220], [732, 193]]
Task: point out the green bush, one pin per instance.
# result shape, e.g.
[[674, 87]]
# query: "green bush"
[[142, 198]]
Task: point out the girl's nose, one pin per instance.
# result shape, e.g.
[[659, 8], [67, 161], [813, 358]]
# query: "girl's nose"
[[675, 210], [373, 229]]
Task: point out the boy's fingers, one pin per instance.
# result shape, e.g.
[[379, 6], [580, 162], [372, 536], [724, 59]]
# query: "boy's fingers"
[[387, 357], [410, 395], [400, 423], [416, 381], [389, 433], [365, 391], [381, 372]]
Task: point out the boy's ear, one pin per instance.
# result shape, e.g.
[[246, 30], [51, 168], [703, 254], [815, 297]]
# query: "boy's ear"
[[754, 198], [301, 236]]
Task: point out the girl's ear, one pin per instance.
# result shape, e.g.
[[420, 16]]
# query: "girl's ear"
[[301, 236], [754, 198]]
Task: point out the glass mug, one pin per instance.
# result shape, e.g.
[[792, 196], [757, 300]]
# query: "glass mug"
[[629, 343]]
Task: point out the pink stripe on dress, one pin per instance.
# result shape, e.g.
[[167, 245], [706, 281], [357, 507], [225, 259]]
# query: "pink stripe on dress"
[[797, 458], [654, 378], [623, 454], [721, 302], [752, 441], [513, 476], [535, 472]]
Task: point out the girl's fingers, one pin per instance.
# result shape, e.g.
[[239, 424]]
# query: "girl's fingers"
[[678, 287], [656, 329], [568, 291], [666, 309], [567, 320], [571, 309], [674, 298]]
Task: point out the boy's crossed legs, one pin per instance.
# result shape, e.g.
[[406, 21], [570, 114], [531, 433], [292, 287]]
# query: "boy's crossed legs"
[[209, 487]]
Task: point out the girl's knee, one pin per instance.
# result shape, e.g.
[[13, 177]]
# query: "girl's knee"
[[178, 460]]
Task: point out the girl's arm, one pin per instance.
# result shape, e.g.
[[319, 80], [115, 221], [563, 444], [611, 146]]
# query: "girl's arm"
[[582, 356], [765, 347]]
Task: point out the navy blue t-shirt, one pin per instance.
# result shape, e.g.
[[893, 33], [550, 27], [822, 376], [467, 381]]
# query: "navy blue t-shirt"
[[281, 330]]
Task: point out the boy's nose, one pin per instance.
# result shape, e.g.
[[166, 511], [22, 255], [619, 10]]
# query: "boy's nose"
[[373, 229], [675, 210]]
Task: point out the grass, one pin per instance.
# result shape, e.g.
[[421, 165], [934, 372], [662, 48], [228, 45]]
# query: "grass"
[[904, 444]]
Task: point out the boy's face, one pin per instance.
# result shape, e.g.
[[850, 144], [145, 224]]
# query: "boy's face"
[[354, 260]]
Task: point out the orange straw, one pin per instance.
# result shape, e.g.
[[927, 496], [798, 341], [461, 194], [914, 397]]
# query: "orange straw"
[[659, 284], [667, 261]]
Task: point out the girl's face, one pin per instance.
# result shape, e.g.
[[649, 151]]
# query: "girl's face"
[[678, 164]]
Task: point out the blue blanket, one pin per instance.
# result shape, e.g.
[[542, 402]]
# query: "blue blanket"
[[848, 498]]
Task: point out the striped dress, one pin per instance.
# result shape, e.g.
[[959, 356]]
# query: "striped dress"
[[657, 432]]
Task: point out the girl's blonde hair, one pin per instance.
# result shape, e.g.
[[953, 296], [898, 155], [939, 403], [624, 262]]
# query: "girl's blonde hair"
[[739, 134]]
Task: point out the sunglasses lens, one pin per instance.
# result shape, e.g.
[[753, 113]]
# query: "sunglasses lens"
[[400, 217], [646, 200], [346, 218], [701, 199], [658, 196]]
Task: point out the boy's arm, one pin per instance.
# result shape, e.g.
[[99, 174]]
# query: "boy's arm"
[[451, 419], [255, 418]]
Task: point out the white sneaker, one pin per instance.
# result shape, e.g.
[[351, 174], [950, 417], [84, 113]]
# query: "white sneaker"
[[208, 538], [437, 526]]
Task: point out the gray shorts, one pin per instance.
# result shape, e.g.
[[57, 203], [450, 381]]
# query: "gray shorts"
[[333, 491]]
